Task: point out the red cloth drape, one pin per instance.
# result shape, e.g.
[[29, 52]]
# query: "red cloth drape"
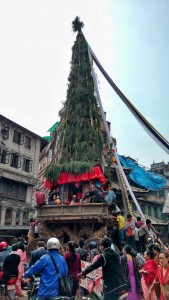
[[95, 173]]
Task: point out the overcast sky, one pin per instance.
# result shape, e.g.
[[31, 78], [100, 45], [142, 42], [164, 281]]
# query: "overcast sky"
[[129, 37]]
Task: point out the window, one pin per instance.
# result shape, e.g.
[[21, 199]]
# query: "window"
[[27, 142], [8, 216], [15, 160], [5, 130], [27, 165], [50, 154], [161, 212], [18, 137], [155, 212], [162, 193], [134, 207], [142, 206], [17, 218], [160, 171], [153, 193], [149, 211], [4, 156], [25, 218]]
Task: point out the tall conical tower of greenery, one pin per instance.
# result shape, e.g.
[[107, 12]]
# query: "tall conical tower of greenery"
[[79, 145]]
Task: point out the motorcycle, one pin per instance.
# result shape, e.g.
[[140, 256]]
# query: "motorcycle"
[[33, 287], [8, 290], [33, 290]]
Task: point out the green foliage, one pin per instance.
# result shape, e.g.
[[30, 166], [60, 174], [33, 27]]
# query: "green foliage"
[[52, 172], [77, 25], [79, 145]]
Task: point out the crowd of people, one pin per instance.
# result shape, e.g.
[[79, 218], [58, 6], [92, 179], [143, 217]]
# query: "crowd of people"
[[12, 259], [130, 231], [126, 273], [146, 275], [134, 261]]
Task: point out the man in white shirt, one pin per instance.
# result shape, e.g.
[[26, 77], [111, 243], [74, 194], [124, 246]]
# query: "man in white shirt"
[[146, 229]]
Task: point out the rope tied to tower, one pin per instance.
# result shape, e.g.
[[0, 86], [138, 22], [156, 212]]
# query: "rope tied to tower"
[[151, 130]]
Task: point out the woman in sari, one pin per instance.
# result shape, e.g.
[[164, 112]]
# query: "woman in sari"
[[23, 259], [130, 269], [162, 276], [148, 275]]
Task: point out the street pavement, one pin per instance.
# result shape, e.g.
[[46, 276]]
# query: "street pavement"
[[25, 297]]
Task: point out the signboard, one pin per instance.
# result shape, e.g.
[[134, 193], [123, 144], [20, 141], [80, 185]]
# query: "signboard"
[[94, 274]]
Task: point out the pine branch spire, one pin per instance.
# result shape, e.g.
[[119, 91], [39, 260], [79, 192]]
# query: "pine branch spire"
[[79, 146], [77, 25]]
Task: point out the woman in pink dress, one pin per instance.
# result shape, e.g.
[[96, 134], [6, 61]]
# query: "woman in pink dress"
[[131, 274], [22, 253]]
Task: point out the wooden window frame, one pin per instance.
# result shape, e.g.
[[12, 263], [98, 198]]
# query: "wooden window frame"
[[27, 164], [27, 142], [18, 137], [15, 160], [4, 156]]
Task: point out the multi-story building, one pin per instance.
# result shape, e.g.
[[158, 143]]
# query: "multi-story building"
[[19, 163], [162, 169], [152, 203], [163, 195]]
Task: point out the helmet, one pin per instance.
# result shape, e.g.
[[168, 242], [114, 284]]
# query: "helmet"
[[92, 245], [3, 246], [53, 243]]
